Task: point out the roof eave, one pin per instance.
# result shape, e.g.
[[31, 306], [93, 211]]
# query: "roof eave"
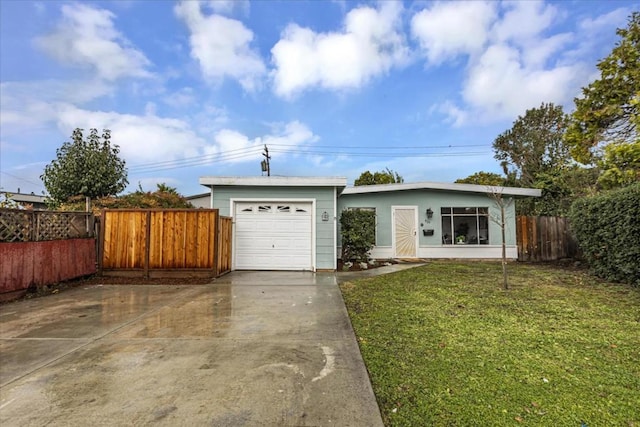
[[273, 181], [469, 188]]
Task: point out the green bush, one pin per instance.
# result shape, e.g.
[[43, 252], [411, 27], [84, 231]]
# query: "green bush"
[[358, 234], [164, 197], [607, 227]]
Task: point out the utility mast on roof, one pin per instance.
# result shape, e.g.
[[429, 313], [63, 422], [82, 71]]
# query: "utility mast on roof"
[[265, 163]]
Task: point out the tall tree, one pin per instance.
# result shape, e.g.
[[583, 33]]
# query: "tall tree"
[[608, 111], [483, 178], [88, 167], [620, 165], [533, 145], [386, 176]]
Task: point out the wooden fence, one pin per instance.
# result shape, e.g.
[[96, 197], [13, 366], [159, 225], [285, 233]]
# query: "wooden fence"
[[25, 265], [164, 242], [544, 238], [40, 248], [224, 244], [17, 225]]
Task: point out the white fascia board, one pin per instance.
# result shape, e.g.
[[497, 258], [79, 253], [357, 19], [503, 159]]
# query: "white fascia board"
[[274, 181], [445, 186], [198, 196]]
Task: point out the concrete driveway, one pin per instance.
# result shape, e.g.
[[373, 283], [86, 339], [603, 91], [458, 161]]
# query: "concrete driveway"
[[252, 348]]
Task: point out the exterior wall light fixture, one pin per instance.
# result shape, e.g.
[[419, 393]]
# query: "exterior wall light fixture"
[[325, 216], [429, 213]]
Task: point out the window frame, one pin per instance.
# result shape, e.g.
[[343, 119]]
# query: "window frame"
[[481, 216]]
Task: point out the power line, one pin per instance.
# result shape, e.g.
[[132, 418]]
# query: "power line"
[[21, 179], [254, 151], [421, 147]]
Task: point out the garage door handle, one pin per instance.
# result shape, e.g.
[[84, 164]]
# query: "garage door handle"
[[273, 246]]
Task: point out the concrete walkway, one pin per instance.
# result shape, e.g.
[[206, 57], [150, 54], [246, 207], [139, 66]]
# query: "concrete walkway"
[[252, 348]]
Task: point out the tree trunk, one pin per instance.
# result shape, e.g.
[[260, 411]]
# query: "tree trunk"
[[504, 248]]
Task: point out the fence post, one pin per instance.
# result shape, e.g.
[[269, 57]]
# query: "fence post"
[[35, 227], [147, 245], [216, 243], [101, 229]]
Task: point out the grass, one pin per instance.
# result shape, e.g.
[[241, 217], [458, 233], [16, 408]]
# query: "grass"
[[446, 346]]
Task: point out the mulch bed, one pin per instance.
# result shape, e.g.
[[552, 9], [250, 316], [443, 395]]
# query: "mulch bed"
[[356, 265]]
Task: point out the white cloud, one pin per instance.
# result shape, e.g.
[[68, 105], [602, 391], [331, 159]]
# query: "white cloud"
[[181, 98], [591, 32], [499, 85], [515, 56], [87, 37], [282, 137], [523, 20], [221, 46], [370, 44], [615, 19], [456, 116], [142, 139], [25, 106], [450, 29], [537, 52], [227, 6]]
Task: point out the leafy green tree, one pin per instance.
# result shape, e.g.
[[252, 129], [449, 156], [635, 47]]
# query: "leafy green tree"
[[608, 110], [386, 176], [533, 145], [87, 167], [483, 178], [620, 165], [560, 187]]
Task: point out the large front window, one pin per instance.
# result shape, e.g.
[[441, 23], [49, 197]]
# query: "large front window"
[[465, 226]]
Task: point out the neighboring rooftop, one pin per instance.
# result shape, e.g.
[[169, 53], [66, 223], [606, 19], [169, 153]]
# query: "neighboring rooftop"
[[36, 200]]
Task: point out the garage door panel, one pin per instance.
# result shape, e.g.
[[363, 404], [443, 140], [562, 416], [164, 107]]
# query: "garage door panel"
[[273, 236]]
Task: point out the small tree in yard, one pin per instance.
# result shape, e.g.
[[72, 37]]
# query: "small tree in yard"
[[495, 194], [87, 167], [358, 234]]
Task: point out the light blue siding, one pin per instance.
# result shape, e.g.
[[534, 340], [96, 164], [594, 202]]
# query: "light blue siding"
[[424, 199], [324, 199]]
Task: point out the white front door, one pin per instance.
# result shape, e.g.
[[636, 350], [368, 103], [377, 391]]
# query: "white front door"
[[405, 231], [273, 236]]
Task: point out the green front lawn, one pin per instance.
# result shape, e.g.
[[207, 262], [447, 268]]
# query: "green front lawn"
[[445, 345]]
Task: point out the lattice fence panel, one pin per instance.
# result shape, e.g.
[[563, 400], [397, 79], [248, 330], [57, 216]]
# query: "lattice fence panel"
[[16, 225], [23, 226]]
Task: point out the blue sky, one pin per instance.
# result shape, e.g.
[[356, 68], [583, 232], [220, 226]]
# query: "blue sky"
[[333, 88]]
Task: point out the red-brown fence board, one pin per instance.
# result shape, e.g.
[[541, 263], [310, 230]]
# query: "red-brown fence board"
[[26, 264]]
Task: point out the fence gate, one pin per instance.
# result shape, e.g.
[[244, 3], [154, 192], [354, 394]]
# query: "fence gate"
[[164, 242]]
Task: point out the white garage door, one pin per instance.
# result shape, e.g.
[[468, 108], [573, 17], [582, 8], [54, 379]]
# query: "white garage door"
[[273, 236]]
